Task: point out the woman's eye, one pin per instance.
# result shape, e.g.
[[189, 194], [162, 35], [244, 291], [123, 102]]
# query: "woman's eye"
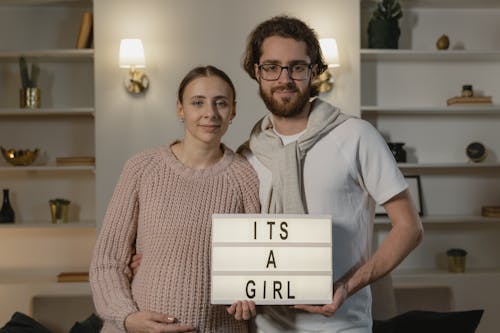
[[197, 103], [221, 104]]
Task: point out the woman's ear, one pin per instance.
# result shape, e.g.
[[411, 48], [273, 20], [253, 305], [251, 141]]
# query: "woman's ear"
[[233, 113], [180, 110]]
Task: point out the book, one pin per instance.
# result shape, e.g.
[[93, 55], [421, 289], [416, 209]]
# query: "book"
[[75, 160], [469, 100], [73, 277], [84, 39], [490, 211]]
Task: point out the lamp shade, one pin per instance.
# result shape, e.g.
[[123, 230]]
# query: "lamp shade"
[[330, 51], [132, 53]]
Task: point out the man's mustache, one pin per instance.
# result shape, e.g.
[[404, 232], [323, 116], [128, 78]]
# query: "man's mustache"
[[285, 87]]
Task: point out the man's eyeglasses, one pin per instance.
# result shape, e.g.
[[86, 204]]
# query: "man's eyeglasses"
[[272, 72]]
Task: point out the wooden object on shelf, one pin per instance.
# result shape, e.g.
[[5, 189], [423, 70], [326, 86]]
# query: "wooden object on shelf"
[[84, 39], [490, 211], [73, 277], [469, 100], [75, 160]]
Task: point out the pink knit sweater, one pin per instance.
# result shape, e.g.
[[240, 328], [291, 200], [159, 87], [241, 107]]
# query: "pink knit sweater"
[[165, 208]]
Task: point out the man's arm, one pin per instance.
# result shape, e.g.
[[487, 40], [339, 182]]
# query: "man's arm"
[[406, 233]]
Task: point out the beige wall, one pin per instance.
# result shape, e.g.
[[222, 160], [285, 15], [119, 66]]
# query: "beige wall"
[[178, 35]]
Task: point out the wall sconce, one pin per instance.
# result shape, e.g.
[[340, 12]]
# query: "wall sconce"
[[324, 82], [132, 56]]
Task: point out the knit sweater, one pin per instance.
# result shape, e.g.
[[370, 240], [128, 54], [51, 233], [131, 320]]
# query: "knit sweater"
[[165, 208]]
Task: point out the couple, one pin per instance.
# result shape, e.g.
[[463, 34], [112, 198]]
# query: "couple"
[[308, 157]]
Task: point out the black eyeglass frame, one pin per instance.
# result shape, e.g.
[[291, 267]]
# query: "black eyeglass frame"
[[289, 70]]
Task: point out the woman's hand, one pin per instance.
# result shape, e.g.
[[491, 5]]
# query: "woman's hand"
[[154, 322], [242, 310]]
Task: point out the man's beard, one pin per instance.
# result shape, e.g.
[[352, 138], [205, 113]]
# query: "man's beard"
[[288, 108]]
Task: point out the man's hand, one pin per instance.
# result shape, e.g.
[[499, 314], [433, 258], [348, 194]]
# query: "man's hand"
[[242, 310], [134, 263], [154, 322], [340, 294]]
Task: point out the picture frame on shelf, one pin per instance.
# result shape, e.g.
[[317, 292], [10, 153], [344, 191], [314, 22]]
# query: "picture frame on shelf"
[[415, 189]]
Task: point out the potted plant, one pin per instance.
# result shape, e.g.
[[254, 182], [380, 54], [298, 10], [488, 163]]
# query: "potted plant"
[[383, 28], [30, 93]]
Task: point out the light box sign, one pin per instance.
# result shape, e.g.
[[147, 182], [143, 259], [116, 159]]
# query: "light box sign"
[[272, 259]]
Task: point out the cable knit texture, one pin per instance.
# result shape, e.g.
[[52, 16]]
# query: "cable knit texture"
[[165, 208]]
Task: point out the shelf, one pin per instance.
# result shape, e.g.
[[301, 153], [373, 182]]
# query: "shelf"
[[415, 276], [56, 54], [87, 224], [424, 55], [51, 168], [448, 167], [18, 112], [473, 110], [38, 276], [447, 219], [444, 4], [45, 3]]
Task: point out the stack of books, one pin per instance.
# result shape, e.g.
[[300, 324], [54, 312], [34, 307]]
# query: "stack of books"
[[469, 100], [490, 211], [73, 277]]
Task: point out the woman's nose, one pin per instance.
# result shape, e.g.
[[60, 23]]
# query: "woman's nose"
[[211, 111]]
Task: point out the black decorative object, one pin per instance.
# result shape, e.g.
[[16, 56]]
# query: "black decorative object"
[[467, 90], [476, 152], [6, 213], [383, 28], [398, 151]]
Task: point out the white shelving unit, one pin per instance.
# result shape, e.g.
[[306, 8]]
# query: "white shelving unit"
[[404, 94], [45, 32]]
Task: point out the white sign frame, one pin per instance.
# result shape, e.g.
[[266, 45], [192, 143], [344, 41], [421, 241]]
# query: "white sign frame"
[[271, 259]]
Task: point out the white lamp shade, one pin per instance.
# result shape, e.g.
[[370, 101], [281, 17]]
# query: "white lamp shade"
[[132, 53], [330, 51]]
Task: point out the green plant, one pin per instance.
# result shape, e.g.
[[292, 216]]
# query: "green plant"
[[27, 80], [388, 10], [383, 28]]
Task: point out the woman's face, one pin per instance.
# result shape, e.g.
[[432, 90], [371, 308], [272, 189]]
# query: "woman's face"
[[207, 107]]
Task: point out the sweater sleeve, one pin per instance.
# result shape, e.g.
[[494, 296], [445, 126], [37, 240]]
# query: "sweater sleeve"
[[109, 270], [249, 186]]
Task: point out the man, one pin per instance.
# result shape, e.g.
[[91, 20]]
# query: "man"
[[311, 158]]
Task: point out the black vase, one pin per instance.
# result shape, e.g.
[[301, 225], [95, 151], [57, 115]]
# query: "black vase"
[[398, 151], [7, 214], [383, 34]]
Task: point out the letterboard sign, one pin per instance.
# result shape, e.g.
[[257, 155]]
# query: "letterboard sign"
[[272, 259]]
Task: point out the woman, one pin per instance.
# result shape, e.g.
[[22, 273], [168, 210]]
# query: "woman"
[[162, 206]]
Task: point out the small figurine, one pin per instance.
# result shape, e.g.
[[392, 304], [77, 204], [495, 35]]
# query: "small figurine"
[[443, 43]]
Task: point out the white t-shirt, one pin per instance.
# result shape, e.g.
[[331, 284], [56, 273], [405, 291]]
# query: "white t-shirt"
[[345, 173]]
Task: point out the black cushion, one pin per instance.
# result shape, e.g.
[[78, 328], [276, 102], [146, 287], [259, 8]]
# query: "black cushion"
[[21, 323], [92, 324], [430, 322]]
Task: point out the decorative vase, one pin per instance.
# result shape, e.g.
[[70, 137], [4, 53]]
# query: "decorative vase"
[[7, 214], [29, 98], [398, 151], [59, 210], [383, 34], [456, 260]]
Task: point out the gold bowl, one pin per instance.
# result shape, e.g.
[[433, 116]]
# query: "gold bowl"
[[19, 156]]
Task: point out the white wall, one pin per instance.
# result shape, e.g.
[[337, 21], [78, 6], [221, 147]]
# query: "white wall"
[[179, 35]]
